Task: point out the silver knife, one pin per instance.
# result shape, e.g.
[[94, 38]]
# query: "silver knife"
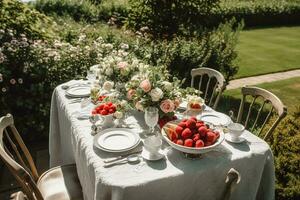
[[121, 157]]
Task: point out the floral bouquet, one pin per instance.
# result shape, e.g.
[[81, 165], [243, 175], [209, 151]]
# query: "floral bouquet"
[[151, 88]]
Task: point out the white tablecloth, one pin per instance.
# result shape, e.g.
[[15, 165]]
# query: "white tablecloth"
[[175, 178]]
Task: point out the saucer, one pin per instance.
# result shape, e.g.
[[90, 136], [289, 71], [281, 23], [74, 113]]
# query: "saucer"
[[152, 157], [228, 138]]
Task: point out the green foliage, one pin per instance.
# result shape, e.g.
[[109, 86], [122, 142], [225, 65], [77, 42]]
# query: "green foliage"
[[214, 49], [82, 10], [16, 15], [260, 12], [286, 149], [168, 17]]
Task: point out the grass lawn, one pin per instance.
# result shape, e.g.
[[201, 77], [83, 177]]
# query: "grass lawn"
[[268, 50], [287, 90]]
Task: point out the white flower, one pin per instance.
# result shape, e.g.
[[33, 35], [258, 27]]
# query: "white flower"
[[139, 106], [3, 89], [12, 81], [1, 78], [20, 80], [108, 85], [109, 71], [156, 94], [118, 115], [124, 46], [167, 85], [123, 103]]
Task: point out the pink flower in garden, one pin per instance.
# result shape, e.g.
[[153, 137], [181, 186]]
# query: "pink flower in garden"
[[12, 81], [122, 65], [167, 106], [130, 94], [145, 85]]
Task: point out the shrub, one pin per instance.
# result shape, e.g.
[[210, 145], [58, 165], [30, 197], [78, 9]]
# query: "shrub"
[[214, 49], [260, 12], [31, 69], [285, 144], [24, 20], [168, 17], [83, 10]]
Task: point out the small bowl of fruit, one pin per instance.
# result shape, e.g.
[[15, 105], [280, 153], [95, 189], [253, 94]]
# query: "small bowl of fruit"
[[192, 136], [106, 112]]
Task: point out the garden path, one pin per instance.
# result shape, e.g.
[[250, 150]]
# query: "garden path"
[[254, 80]]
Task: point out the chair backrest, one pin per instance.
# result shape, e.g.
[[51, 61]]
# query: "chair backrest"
[[216, 81], [267, 98], [20, 163]]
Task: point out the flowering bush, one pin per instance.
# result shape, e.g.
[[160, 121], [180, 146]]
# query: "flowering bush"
[[151, 87], [31, 69]]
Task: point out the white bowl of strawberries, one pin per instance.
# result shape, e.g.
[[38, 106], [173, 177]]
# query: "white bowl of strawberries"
[[191, 136], [106, 112]]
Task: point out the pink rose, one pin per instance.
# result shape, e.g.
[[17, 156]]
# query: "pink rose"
[[167, 106], [130, 94], [122, 65], [145, 85]]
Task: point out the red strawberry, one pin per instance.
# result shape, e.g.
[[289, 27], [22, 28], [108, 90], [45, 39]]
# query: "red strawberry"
[[190, 124], [94, 112], [188, 142], [109, 103], [207, 144], [180, 142], [104, 112], [182, 124], [111, 111], [198, 125], [113, 107], [196, 137], [184, 120], [202, 130], [217, 133], [106, 107], [200, 121], [101, 106], [196, 106], [199, 144], [179, 130], [194, 118], [186, 133], [211, 137]]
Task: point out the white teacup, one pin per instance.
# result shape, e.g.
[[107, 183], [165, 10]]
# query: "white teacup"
[[152, 144], [235, 130]]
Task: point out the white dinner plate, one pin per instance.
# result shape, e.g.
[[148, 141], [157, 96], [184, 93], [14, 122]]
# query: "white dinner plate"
[[116, 140], [216, 118], [79, 91]]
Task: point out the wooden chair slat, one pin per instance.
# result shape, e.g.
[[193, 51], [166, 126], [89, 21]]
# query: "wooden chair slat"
[[258, 115], [249, 111], [207, 86], [266, 120], [213, 93]]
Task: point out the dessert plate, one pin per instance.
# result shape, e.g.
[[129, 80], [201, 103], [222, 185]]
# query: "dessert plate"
[[79, 91], [116, 140], [216, 118]]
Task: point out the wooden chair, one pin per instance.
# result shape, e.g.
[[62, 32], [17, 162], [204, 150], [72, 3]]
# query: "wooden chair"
[[59, 183], [215, 80], [232, 179], [267, 98]]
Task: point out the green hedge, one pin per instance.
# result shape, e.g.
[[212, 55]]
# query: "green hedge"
[[260, 12], [285, 145]]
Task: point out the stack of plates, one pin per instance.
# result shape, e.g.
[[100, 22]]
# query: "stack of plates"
[[116, 140], [79, 91]]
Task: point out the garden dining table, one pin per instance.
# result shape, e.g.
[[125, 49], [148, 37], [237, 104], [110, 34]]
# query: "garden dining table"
[[174, 178]]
